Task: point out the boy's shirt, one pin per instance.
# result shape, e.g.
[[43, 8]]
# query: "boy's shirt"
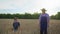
[[16, 25]]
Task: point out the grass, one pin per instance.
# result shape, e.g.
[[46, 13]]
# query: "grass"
[[28, 26]]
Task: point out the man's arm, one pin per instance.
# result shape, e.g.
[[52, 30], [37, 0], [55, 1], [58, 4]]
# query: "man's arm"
[[48, 19]]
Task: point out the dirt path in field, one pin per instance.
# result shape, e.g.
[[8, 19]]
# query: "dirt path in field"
[[28, 26]]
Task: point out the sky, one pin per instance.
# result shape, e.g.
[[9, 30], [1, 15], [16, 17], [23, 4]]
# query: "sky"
[[29, 6]]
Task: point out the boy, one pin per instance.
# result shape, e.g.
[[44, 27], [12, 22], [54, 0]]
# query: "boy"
[[16, 24]]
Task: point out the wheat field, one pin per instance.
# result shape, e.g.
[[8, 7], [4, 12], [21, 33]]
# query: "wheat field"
[[28, 26]]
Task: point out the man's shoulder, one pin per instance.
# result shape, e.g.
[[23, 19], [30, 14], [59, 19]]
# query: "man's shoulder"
[[47, 14]]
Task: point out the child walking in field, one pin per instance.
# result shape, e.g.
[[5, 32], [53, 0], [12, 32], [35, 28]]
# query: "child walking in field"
[[16, 24]]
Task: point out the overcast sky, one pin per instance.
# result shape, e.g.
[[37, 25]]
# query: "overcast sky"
[[29, 6]]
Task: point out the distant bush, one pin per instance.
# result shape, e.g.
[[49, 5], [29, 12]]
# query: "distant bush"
[[27, 16], [57, 16], [20, 16]]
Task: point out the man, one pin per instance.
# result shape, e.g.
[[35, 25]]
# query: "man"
[[44, 21]]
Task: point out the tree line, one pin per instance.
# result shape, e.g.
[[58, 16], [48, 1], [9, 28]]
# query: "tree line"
[[57, 16], [27, 16], [20, 16]]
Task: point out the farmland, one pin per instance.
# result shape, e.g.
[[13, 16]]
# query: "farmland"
[[28, 26]]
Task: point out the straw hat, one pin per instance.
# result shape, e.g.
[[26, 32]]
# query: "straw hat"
[[43, 9]]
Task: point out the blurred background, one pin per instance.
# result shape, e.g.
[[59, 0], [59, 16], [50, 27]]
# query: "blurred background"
[[28, 12], [29, 8]]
